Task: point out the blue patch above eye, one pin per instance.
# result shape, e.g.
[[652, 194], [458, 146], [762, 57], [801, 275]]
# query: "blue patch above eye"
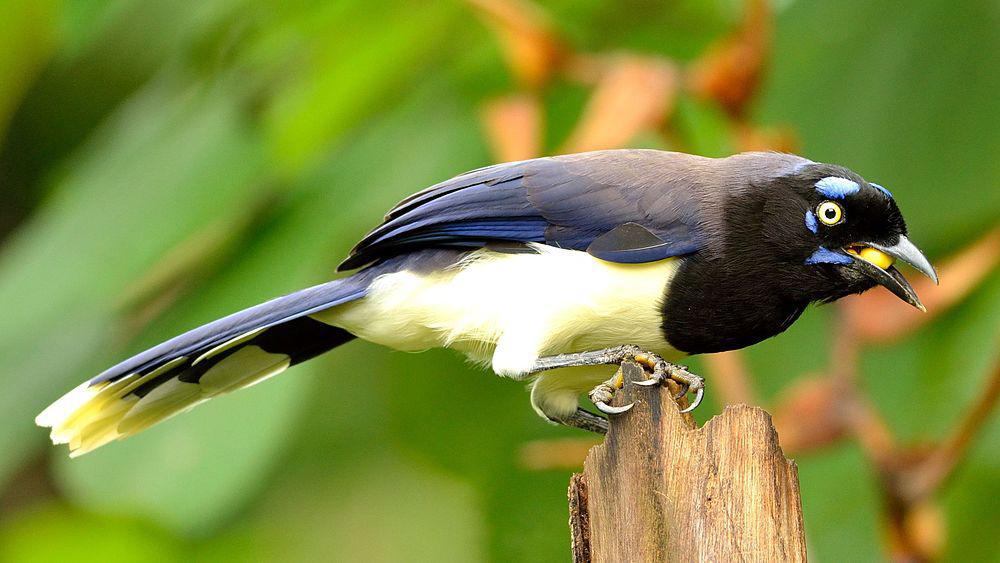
[[835, 187], [884, 191], [827, 256], [811, 221]]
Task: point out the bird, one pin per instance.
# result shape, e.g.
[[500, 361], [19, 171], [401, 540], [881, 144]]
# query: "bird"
[[548, 270]]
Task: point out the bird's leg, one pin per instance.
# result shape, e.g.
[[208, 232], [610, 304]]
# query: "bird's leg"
[[585, 420], [660, 369]]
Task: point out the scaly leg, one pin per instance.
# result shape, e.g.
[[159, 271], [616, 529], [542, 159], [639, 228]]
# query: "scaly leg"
[[585, 420], [660, 369]]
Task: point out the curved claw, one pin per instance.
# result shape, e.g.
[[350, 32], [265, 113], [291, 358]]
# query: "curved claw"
[[683, 391], [608, 409], [647, 382], [698, 394]]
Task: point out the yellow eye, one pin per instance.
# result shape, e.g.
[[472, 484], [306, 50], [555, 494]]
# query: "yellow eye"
[[829, 213]]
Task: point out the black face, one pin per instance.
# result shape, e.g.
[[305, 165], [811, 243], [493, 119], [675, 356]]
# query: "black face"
[[838, 234], [818, 234]]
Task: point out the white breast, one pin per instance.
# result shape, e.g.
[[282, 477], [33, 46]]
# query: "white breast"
[[512, 308]]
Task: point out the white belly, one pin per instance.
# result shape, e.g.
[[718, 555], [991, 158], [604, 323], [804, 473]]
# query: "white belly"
[[510, 309]]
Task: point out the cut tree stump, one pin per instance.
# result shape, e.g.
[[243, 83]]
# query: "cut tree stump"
[[661, 489]]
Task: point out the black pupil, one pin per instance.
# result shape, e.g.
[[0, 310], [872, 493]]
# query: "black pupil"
[[830, 213]]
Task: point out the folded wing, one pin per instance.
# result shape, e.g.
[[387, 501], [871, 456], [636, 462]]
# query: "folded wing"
[[567, 201]]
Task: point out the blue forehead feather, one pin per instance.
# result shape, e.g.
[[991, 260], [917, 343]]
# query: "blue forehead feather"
[[884, 191], [827, 256], [835, 187], [811, 221]]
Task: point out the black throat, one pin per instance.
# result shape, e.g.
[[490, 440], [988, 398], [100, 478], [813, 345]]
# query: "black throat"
[[748, 284], [714, 306]]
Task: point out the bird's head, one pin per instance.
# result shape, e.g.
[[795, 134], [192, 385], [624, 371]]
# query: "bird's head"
[[838, 234]]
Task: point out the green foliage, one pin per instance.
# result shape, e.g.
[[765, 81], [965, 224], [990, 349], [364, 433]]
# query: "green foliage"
[[175, 162], [56, 533]]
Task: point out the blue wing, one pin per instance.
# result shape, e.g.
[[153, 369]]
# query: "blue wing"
[[570, 201]]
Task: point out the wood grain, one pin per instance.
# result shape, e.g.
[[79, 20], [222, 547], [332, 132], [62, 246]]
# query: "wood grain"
[[661, 489]]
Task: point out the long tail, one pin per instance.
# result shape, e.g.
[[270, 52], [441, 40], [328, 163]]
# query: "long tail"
[[229, 354]]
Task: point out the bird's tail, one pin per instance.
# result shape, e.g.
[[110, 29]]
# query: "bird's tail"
[[229, 354]]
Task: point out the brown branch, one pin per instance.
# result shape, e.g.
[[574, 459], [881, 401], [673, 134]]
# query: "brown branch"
[[941, 463], [661, 489], [856, 412], [579, 519], [911, 476]]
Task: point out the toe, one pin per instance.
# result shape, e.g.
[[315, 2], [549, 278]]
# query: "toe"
[[608, 409]]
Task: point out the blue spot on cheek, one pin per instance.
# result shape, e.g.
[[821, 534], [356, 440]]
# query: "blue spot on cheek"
[[827, 256], [837, 188], [884, 191], [811, 222]]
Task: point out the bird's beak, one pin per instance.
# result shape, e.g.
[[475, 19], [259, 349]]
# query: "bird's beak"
[[875, 261]]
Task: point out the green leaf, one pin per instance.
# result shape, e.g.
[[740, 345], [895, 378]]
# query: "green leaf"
[[376, 508], [27, 39], [53, 533], [840, 506], [703, 127], [352, 71]]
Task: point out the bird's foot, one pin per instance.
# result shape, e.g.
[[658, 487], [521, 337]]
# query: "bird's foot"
[[602, 394], [660, 370]]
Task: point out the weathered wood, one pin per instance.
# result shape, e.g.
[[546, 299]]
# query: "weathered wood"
[[661, 489]]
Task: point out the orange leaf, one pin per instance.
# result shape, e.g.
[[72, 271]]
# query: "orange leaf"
[[633, 95], [729, 70], [514, 127], [780, 139], [532, 49]]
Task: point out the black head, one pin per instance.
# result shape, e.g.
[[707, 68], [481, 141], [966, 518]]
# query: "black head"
[[784, 232], [837, 234]]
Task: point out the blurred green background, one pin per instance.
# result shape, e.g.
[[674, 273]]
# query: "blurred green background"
[[164, 163]]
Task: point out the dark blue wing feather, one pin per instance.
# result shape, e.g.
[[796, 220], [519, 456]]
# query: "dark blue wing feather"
[[561, 201], [276, 311], [488, 205], [492, 175]]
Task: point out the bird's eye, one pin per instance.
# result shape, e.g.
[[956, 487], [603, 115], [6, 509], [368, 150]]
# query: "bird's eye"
[[830, 213]]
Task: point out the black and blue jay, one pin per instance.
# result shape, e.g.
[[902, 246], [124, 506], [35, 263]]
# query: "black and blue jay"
[[547, 269]]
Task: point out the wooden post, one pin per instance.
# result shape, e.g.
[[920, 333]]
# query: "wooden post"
[[661, 489]]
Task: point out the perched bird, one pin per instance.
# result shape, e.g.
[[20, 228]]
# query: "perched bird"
[[548, 268]]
